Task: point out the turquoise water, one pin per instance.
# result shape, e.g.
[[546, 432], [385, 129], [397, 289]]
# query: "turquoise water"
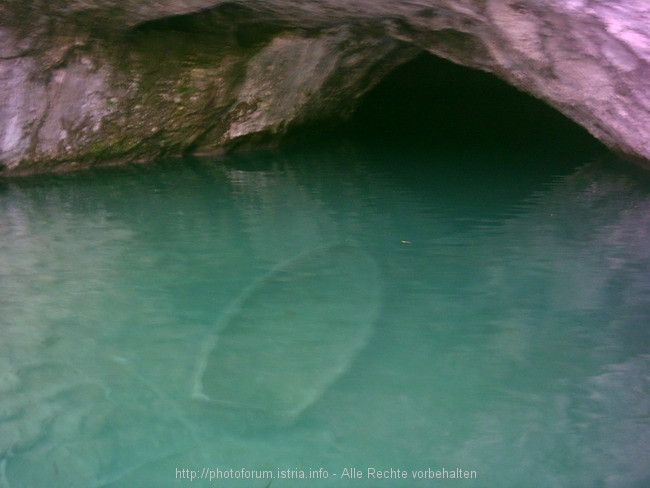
[[328, 311]]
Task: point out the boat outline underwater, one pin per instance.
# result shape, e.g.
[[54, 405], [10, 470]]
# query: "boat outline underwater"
[[292, 333]]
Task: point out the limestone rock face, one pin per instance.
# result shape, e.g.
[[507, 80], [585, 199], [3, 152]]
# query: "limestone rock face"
[[99, 81]]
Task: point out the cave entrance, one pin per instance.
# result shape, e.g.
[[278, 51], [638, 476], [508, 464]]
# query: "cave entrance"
[[430, 101]]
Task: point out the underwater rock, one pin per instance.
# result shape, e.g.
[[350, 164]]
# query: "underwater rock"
[[96, 82]]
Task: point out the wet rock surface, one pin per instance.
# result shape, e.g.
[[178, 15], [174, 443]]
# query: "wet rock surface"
[[97, 82]]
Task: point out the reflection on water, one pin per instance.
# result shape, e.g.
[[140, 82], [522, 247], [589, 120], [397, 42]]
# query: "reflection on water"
[[504, 322]]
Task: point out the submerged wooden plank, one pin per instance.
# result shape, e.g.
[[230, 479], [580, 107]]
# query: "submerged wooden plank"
[[292, 333]]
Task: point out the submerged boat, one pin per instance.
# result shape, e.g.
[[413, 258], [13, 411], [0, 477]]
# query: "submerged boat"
[[292, 333]]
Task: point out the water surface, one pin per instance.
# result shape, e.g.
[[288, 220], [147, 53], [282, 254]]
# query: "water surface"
[[504, 303]]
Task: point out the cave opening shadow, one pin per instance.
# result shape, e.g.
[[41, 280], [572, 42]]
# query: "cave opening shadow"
[[431, 103]]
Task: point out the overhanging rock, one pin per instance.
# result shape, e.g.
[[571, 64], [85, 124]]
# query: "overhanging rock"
[[96, 82]]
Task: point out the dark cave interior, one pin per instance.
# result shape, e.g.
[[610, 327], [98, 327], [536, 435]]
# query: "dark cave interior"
[[432, 101]]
